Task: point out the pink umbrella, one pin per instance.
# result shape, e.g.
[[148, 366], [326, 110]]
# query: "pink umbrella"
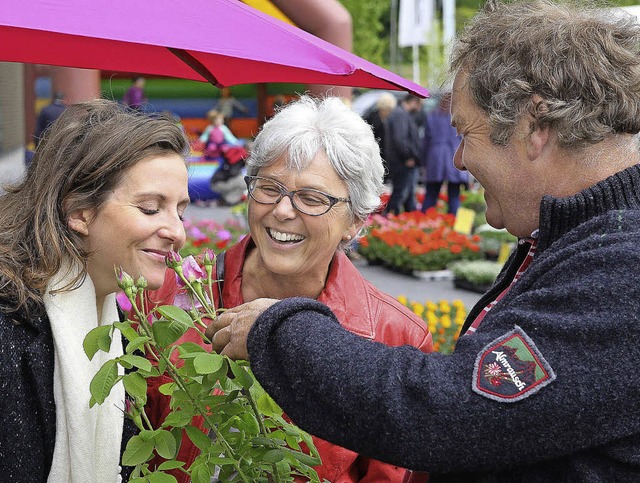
[[224, 42]]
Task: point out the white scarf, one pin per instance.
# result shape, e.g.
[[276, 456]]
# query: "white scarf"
[[87, 444]]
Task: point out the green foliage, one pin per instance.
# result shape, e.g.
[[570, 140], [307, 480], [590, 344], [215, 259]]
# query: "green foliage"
[[491, 240], [368, 28], [251, 441], [164, 88], [481, 273]]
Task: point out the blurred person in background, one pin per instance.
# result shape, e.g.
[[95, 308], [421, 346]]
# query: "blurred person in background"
[[376, 117], [227, 105], [134, 98], [440, 144], [49, 114], [402, 152]]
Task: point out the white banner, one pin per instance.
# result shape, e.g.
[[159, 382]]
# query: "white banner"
[[414, 22]]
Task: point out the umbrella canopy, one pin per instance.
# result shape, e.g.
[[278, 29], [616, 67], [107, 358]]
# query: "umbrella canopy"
[[224, 42]]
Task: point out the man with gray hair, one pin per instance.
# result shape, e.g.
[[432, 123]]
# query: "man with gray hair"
[[543, 385]]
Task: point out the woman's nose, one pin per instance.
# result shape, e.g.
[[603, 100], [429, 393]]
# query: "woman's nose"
[[284, 208], [173, 230]]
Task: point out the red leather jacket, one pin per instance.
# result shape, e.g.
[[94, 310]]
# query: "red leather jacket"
[[362, 309]]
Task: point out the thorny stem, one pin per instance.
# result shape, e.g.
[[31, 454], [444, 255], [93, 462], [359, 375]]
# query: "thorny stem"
[[263, 429]]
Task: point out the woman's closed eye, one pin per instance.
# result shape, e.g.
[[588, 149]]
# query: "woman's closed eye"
[[152, 211], [148, 211]]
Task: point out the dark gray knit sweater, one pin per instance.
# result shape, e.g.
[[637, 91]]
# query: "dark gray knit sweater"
[[578, 304]]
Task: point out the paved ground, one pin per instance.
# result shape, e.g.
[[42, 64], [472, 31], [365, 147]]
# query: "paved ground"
[[416, 289]]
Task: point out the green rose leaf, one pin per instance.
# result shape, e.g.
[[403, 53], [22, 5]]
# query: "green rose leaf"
[[267, 405], [175, 313], [189, 350], [126, 330], [167, 388], [137, 343], [137, 361], [273, 456], [137, 451], [208, 363], [220, 460], [96, 340], [170, 465], [161, 478], [136, 385], [103, 381], [304, 458], [200, 474], [198, 438], [177, 419], [165, 444], [240, 374], [166, 332], [177, 436]]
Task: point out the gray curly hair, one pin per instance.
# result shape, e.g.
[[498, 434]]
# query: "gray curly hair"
[[304, 127], [583, 62]]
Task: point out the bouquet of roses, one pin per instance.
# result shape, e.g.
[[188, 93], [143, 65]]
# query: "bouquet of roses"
[[249, 440]]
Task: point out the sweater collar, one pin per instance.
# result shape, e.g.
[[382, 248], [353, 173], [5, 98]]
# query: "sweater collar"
[[558, 216]]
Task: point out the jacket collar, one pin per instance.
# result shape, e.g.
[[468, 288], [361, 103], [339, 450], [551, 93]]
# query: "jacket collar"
[[558, 216]]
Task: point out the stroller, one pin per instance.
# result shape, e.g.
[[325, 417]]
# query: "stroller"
[[228, 180]]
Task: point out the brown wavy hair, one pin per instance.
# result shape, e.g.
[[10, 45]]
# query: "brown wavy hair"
[[77, 165], [583, 61]]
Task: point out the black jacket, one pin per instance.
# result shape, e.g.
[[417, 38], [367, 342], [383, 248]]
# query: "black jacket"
[[27, 406], [401, 139]]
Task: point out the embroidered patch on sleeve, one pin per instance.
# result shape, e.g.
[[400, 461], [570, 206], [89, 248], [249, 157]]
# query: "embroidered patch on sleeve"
[[511, 368]]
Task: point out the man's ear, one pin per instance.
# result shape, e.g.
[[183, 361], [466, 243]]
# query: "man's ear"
[[79, 221], [538, 134]]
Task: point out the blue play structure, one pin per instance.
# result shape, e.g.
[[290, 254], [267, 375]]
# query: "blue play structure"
[[200, 173]]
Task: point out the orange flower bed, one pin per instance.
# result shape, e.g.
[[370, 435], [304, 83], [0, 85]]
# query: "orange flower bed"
[[417, 242]]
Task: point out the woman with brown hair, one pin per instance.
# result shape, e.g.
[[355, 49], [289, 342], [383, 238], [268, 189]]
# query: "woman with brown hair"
[[107, 187]]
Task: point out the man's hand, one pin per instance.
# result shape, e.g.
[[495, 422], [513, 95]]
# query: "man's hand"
[[410, 163], [228, 333]]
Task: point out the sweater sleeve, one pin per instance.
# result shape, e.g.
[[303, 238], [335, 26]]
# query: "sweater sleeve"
[[417, 410]]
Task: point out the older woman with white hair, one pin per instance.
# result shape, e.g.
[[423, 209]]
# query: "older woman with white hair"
[[314, 176]]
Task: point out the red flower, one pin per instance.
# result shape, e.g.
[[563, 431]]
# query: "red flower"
[[202, 241]]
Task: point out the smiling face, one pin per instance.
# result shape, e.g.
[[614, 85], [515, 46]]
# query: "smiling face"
[[512, 180], [138, 225], [290, 243]]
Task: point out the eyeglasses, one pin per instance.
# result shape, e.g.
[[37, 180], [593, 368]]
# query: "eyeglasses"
[[308, 201]]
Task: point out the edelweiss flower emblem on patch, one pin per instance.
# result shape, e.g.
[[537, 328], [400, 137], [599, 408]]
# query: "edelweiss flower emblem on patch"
[[511, 368]]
